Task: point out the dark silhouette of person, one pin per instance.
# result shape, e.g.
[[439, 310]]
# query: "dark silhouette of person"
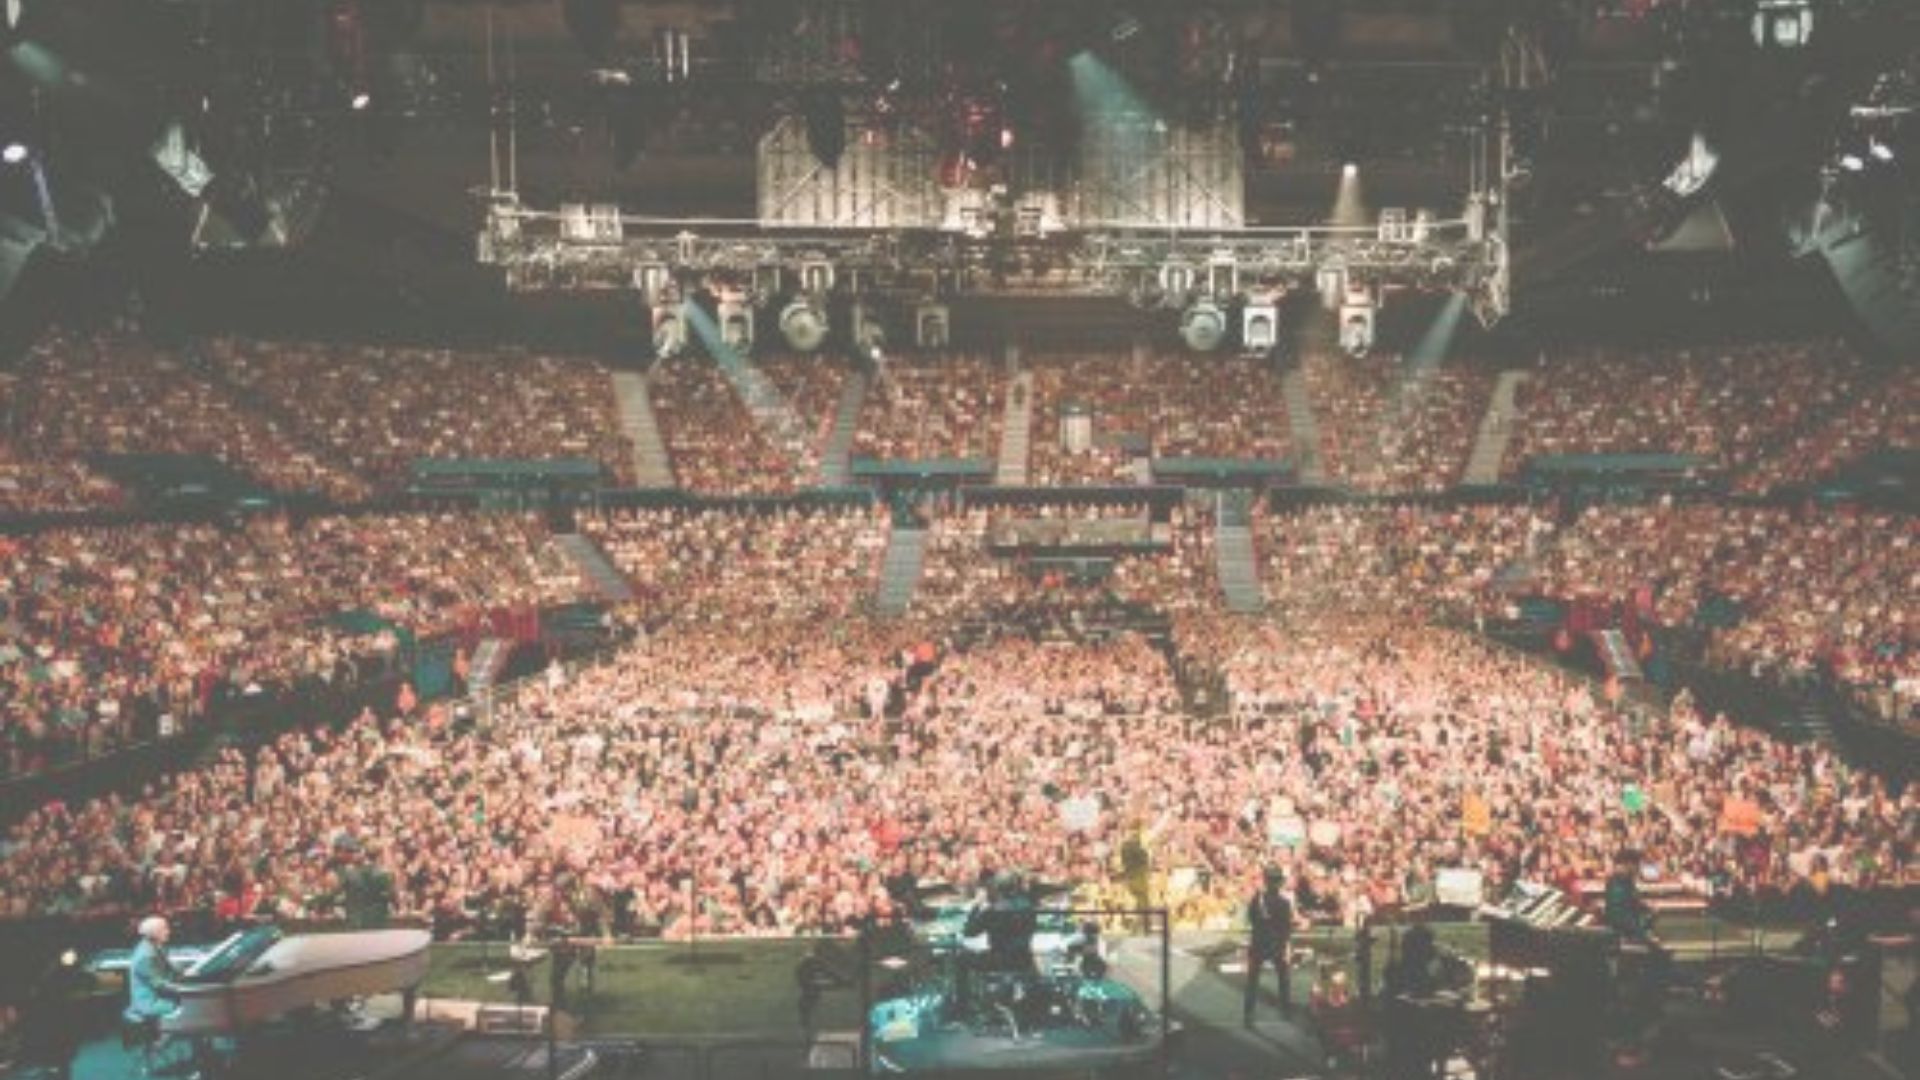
[[1270, 920]]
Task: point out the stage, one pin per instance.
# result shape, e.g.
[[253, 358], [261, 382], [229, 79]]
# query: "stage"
[[725, 1009]]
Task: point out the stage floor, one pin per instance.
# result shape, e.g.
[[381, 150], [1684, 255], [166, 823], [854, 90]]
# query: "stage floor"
[[727, 1009]]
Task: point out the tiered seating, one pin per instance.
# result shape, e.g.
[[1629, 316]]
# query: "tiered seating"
[[1418, 561], [811, 385], [1821, 589], [717, 446], [104, 630], [380, 408], [1735, 405], [113, 394], [737, 568], [932, 406], [35, 484], [1883, 414], [1179, 404]]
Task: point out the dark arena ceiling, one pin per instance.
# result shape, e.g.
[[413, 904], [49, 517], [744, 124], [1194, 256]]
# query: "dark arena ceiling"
[[388, 122]]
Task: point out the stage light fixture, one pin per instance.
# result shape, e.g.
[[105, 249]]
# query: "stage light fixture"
[[1880, 151], [669, 333], [361, 99], [1203, 326], [1852, 162], [1782, 24], [14, 153], [804, 324]]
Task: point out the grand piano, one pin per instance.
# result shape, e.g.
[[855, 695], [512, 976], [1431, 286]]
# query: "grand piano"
[[259, 974]]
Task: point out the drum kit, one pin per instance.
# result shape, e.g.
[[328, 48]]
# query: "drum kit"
[[1067, 987]]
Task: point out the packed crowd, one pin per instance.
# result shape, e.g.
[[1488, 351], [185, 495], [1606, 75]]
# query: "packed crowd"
[[963, 576], [933, 406], [31, 483], [1739, 407], [717, 445], [348, 420], [120, 633], [811, 386], [1390, 428], [378, 408], [1812, 590], [1883, 415], [1152, 404], [1418, 562], [113, 393], [733, 569], [1781, 592], [1365, 755]]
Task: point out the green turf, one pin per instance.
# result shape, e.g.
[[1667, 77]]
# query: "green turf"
[[712, 989]]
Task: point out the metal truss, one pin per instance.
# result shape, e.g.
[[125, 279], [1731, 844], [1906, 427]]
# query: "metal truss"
[[545, 250]]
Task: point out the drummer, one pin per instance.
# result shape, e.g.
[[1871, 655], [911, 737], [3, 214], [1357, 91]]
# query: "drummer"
[[1004, 911]]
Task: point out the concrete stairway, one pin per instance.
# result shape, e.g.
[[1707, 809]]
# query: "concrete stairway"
[[1304, 426], [836, 458], [1239, 568], [1496, 431], [1616, 655], [489, 657], [598, 571], [652, 466], [900, 572], [1016, 437]]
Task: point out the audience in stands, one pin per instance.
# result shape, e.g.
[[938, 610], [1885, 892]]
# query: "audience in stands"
[[1883, 415], [1737, 407], [733, 568], [1149, 405], [1390, 427], [718, 445], [113, 393], [768, 758], [109, 635], [925, 407], [377, 409]]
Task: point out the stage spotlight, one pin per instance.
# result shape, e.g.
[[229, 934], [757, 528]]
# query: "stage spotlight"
[[1880, 151], [1782, 24], [1260, 324], [1350, 170], [1203, 326], [669, 333], [804, 324], [1852, 162], [931, 325], [361, 99], [1357, 313], [14, 153]]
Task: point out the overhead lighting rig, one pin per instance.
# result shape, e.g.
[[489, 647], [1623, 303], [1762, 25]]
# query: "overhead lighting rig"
[[538, 254]]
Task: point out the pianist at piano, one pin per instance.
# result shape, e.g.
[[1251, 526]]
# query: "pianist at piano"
[[151, 993]]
